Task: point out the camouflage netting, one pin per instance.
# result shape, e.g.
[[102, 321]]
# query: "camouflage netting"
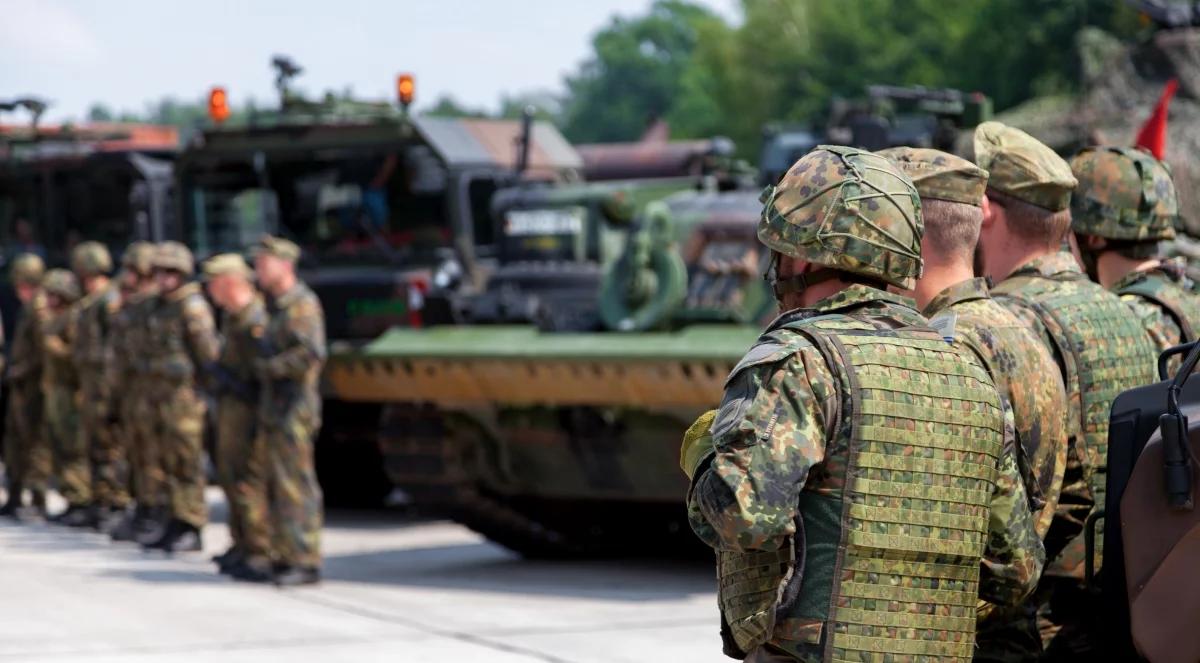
[[1121, 85]]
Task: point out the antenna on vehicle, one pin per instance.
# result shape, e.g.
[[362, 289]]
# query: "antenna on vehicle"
[[285, 70], [36, 108]]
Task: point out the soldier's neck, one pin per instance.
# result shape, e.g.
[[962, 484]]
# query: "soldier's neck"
[[936, 278], [95, 284], [1112, 267], [1000, 265], [285, 283]]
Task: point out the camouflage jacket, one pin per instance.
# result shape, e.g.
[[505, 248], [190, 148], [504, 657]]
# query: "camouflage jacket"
[[91, 350], [1101, 351], [1018, 364], [296, 339], [1161, 299], [130, 332], [25, 364], [57, 335], [242, 334], [783, 411], [183, 337]]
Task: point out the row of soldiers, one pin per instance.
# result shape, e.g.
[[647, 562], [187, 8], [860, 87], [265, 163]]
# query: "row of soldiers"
[[903, 465], [111, 380]]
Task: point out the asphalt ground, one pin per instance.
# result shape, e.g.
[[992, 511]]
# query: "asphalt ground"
[[396, 589]]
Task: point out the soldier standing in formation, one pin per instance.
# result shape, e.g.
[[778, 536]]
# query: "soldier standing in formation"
[[860, 481], [27, 457], [961, 306], [60, 389], [182, 342], [241, 454], [289, 369], [92, 264], [1124, 208]]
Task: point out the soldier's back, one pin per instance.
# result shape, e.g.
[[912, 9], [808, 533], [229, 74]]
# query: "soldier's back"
[[1169, 311]]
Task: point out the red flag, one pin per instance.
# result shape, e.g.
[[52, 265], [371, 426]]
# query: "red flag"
[[1153, 135]]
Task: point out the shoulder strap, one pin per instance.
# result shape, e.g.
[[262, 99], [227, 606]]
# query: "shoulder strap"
[[1142, 288]]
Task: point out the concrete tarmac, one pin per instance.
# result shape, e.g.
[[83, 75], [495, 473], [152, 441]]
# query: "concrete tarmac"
[[395, 590]]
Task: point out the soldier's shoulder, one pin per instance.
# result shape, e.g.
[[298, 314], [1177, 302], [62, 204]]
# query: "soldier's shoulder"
[[305, 304], [194, 305]]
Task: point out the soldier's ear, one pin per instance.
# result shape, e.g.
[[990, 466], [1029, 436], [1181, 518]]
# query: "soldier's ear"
[[988, 210]]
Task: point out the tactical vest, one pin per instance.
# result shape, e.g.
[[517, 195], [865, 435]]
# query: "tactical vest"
[[1181, 305], [886, 561], [1105, 350]]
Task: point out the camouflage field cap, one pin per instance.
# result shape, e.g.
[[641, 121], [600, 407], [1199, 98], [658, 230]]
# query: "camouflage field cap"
[[91, 259], [27, 269], [61, 282], [939, 175], [1124, 194], [138, 258], [1021, 166], [174, 256], [847, 209], [278, 247], [227, 264]]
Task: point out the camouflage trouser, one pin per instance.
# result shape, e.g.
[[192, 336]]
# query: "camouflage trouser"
[[27, 456], [296, 508], [242, 471], [179, 419], [1009, 635], [139, 422], [74, 473], [109, 468]]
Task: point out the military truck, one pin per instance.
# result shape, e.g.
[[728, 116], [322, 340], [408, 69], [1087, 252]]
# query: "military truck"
[[384, 205]]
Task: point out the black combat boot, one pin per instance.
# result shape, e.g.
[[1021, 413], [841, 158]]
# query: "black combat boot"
[[295, 576], [252, 570], [126, 529], [12, 505], [227, 560], [109, 519], [178, 537], [152, 527], [83, 516]]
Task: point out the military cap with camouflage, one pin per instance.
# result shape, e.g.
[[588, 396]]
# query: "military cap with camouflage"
[[91, 259], [174, 256], [226, 264], [940, 176], [1022, 167], [849, 210], [61, 282], [28, 268], [139, 258], [1123, 194], [278, 247]]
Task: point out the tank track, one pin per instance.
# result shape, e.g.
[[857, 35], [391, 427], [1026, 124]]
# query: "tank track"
[[428, 462]]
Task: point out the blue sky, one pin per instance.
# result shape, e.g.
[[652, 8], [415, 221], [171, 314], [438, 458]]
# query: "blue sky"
[[126, 53]]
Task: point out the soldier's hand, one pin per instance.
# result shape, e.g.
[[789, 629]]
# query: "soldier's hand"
[[55, 345], [697, 444]]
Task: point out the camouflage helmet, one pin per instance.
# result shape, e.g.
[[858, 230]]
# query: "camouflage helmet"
[[174, 256], [28, 269], [91, 259], [61, 282], [847, 209], [1123, 194], [138, 258]]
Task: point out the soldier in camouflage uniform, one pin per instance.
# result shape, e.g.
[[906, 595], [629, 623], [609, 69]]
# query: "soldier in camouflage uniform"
[[1098, 346], [952, 191], [130, 384], [27, 458], [60, 391], [1124, 208], [859, 481], [241, 457], [182, 342], [92, 263], [290, 370]]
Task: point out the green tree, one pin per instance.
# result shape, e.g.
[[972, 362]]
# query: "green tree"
[[447, 106]]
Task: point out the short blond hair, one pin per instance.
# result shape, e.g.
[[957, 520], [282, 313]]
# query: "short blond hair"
[[951, 230], [1031, 223]]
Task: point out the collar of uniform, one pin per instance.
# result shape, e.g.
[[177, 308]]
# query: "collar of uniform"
[[859, 295], [963, 291], [1049, 265], [182, 292], [245, 312], [286, 299], [1163, 271]]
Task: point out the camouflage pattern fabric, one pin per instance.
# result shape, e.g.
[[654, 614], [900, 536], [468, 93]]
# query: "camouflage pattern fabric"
[[1018, 363], [1162, 301], [182, 339], [131, 382], [241, 456], [290, 418], [91, 353], [27, 456], [60, 389], [939, 175], [1021, 166], [849, 210], [1123, 194], [824, 406]]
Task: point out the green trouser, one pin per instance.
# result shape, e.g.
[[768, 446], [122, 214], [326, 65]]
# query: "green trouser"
[[242, 471], [27, 457], [73, 471], [180, 437], [296, 507], [109, 465], [150, 475]]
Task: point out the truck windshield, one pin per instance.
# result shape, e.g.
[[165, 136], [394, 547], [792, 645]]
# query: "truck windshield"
[[352, 211]]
